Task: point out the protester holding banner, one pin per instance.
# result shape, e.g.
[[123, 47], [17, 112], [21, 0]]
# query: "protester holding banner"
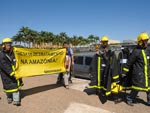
[[7, 70], [69, 52], [67, 74]]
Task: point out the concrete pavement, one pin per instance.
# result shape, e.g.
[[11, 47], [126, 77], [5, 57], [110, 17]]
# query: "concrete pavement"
[[40, 94]]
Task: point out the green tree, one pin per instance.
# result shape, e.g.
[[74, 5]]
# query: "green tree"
[[17, 38], [44, 39], [28, 35], [63, 37]]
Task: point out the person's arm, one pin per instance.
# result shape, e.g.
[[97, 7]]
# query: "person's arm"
[[72, 60], [5, 66], [69, 63], [72, 56]]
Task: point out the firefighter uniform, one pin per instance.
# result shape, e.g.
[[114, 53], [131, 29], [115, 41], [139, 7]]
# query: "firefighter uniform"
[[7, 70], [122, 60], [139, 60], [103, 69]]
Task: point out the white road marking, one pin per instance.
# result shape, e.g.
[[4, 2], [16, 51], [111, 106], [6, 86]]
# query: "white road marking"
[[83, 108]]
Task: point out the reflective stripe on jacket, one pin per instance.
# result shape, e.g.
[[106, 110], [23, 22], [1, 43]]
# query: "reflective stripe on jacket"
[[10, 84], [104, 72], [140, 77]]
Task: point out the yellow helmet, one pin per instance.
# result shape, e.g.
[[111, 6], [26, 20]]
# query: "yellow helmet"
[[142, 36], [104, 38], [7, 40]]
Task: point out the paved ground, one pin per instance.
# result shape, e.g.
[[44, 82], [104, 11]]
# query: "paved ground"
[[41, 95]]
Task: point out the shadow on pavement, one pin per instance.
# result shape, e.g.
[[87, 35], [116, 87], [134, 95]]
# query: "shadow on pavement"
[[138, 100], [116, 98], [121, 97], [38, 89], [91, 91]]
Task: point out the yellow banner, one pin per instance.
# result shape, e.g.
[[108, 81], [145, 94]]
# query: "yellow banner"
[[33, 62]]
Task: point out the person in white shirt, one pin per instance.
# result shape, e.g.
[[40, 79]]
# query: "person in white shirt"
[[67, 73]]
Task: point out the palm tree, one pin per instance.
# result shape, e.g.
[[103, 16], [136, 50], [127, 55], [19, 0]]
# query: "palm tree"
[[63, 37], [38, 42], [17, 38], [85, 41], [25, 32], [80, 39], [75, 40], [31, 37], [56, 40], [91, 38], [45, 39], [96, 39], [50, 38], [63, 34]]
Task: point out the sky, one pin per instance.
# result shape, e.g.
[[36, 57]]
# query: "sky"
[[118, 19]]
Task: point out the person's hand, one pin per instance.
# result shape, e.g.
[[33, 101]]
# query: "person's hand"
[[72, 63], [67, 70]]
